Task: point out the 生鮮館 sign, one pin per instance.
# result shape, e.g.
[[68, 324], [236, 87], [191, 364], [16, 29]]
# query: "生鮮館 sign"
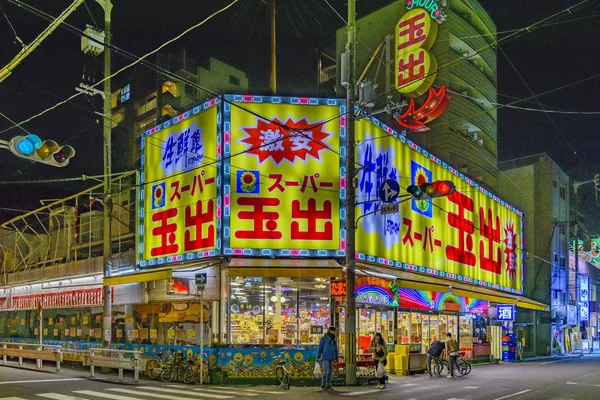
[[470, 236], [180, 164]]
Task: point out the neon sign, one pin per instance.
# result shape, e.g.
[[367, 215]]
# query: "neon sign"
[[506, 312], [429, 5]]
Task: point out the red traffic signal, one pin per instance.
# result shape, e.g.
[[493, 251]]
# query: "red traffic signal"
[[431, 190]]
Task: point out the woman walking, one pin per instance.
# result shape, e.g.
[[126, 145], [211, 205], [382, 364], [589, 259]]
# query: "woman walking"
[[379, 355]]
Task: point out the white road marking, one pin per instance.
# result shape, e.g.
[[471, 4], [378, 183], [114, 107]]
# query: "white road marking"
[[105, 395], [41, 381], [261, 391], [584, 384], [58, 396], [157, 395], [409, 384], [12, 398], [555, 361], [361, 392], [227, 390], [186, 392], [514, 394], [471, 387]]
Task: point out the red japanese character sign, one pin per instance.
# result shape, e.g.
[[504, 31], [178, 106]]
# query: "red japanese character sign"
[[416, 68], [285, 185], [180, 188], [287, 140], [471, 235]]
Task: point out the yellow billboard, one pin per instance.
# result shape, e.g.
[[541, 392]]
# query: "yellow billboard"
[[180, 188], [283, 175], [470, 236]]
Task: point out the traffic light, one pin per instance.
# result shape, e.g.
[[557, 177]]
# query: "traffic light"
[[48, 152], [428, 190], [597, 181]]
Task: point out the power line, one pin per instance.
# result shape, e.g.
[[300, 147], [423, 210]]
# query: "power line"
[[186, 31], [12, 27]]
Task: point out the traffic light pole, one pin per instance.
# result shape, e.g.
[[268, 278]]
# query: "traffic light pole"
[[107, 237], [350, 314]]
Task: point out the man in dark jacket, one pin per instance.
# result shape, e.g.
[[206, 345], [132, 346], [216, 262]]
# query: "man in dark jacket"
[[328, 352], [434, 353]]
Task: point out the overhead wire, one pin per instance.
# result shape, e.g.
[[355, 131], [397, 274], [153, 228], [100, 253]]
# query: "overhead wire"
[[12, 27], [137, 61]]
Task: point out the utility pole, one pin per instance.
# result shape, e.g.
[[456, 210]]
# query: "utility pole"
[[350, 314], [273, 48], [107, 236]]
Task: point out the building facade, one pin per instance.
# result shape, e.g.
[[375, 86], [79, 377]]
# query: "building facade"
[[240, 240], [541, 189], [463, 61], [148, 98]]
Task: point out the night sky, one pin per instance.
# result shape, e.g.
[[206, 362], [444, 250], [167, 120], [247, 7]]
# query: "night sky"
[[557, 54]]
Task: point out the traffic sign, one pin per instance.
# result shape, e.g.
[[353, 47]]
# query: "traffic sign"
[[389, 208], [201, 281], [389, 190]]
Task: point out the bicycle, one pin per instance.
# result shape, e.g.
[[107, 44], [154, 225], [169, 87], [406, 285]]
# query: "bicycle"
[[462, 366], [174, 369], [281, 372], [155, 366], [192, 373]]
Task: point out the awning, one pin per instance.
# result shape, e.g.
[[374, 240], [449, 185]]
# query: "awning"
[[292, 268], [138, 277], [494, 298], [524, 302]]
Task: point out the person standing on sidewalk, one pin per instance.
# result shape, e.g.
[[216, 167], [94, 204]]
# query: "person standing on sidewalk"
[[379, 356], [452, 350], [328, 352]]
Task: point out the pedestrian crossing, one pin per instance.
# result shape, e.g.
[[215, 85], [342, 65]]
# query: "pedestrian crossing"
[[145, 392]]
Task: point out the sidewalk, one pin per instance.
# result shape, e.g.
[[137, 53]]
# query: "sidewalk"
[[553, 357]]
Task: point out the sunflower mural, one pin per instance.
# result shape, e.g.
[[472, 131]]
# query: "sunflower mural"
[[248, 182], [252, 364]]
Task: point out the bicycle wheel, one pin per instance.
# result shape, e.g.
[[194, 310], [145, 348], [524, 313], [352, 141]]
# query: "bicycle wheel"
[[438, 367], [189, 376], [153, 368], [460, 369], [167, 374], [288, 380], [281, 377]]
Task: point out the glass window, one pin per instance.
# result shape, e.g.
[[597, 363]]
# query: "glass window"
[[466, 335], [403, 327], [246, 306], [278, 310]]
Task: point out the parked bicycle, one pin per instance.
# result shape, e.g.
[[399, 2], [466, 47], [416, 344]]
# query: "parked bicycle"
[[462, 367], [155, 365], [192, 372], [281, 372], [174, 369]]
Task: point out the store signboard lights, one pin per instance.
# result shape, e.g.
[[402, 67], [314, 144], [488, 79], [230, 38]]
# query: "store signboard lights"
[[506, 312], [435, 11], [370, 290], [470, 236], [584, 298]]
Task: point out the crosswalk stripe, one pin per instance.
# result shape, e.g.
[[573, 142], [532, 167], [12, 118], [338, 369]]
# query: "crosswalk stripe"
[[360, 392], [11, 398], [262, 391], [58, 396], [157, 395], [228, 391], [187, 392], [105, 395]]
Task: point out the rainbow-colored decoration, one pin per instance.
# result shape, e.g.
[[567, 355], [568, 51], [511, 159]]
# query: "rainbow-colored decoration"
[[412, 298], [375, 295]]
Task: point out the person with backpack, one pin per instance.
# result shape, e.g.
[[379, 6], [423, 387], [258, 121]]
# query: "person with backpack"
[[328, 352], [434, 353]]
